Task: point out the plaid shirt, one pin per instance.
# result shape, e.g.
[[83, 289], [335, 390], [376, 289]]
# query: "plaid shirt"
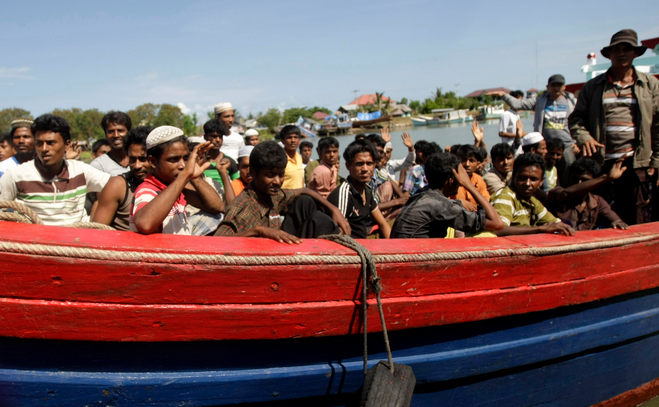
[[249, 210], [415, 180]]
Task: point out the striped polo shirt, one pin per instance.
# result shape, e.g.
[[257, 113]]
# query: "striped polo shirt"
[[58, 201], [620, 114], [176, 221], [515, 211]]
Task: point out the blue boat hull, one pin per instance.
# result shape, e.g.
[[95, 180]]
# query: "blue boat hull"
[[571, 356]]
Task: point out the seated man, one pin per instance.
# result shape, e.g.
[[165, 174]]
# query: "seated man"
[[577, 206], [522, 213], [51, 185], [394, 166], [6, 147], [354, 197], [251, 138], [240, 183], [534, 143], [215, 131], [161, 199], [429, 214], [258, 210], [116, 199], [290, 137], [306, 150], [503, 157], [324, 177], [388, 195], [415, 179], [554, 154], [470, 158]]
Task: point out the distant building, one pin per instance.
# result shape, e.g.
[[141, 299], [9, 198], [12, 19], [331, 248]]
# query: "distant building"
[[350, 110], [531, 93], [320, 115], [369, 99], [401, 110]]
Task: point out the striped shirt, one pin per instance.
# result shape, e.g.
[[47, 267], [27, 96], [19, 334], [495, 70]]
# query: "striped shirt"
[[620, 113], [352, 206], [176, 221], [58, 201], [415, 180], [520, 212]]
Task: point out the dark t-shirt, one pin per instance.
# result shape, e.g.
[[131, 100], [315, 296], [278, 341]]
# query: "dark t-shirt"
[[351, 205]]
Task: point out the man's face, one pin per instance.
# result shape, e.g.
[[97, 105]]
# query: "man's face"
[[50, 148], [555, 90], [243, 169], [252, 140], [574, 179], [116, 135], [306, 154], [6, 150], [291, 142], [216, 140], [171, 163], [23, 140], [541, 149], [504, 164], [138, 162], [418, 159], [553, 156], [382, 160], [470, 164], [228, 118], [100, 151], [622, 56], [361, 168], [268, 181], [330, 155], [527, 180], [387, 155]]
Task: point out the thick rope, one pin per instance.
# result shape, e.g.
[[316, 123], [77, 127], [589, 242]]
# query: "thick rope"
[[15, 217], [22, 208], [368, 266], [141, 255], [90, 225]]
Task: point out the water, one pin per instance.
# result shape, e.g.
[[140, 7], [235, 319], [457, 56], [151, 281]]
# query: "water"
[[444, 135]]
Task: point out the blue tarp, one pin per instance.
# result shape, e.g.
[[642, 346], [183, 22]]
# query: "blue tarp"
[[369, 116]]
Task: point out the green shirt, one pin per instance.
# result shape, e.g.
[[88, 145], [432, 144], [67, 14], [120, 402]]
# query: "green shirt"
[[520, 212], [213, 173]]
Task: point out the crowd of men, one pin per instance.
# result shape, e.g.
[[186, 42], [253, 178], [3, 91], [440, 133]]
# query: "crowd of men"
[[589, 163]]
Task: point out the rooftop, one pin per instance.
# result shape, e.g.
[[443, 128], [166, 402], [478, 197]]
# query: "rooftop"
[[369, 100]]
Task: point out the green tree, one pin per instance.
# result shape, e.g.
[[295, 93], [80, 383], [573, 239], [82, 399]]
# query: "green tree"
[[291, 115], [9, 115], [315, 109], [271, 119], [143, 115], [403, 101], [415, 105]]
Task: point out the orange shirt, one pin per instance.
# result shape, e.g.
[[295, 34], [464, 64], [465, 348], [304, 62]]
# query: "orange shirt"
[[238, 185], [480, 185]]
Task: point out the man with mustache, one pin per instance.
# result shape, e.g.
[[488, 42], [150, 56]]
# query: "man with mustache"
[[23, 141], [115, 125]]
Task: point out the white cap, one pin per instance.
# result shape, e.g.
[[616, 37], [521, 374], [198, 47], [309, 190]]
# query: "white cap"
[[196, 139], [251, 132], [222, 107], [161, 135], [388, 145], [245, 151], [532, 138]]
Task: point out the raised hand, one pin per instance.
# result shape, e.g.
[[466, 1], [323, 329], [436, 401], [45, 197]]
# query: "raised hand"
[[477, 132], [384, 132], [461, 176], [617, 169], [192, 168], [73, 151], [520, 129], [407, 140]]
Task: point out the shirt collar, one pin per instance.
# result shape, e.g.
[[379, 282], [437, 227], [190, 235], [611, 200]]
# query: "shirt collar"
[[151, 180], [64, 173]]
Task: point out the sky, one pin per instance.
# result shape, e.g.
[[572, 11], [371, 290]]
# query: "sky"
[[266, 54]]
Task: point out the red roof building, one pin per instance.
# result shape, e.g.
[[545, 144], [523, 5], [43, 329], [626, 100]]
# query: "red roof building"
[[479, 92], [319, 115], [369, 99]]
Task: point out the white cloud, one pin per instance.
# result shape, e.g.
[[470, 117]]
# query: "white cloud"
[[184, 108], [18, 73]]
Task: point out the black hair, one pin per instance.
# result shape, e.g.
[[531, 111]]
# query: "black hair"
[[327, 142], [288, 130], [527, 149], [267, 156], [360, 136], [305, 143], [483, 151], [428, 148], [469, 151], [439, 169], [9, 138], [455, 148], [585, 165], [98, 144], [419, 145], [376, 139], [360, 146], [555, 143], [529, 160], [138, 135], [50, 122], [502, 150], [516, 93], [158, 150], [216, 126], [117, 118]]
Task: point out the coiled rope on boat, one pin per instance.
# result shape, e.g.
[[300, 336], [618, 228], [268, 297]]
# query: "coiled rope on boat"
[[23, 214]]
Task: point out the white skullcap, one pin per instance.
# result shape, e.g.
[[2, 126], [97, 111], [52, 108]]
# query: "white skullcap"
[[532, 138], [161, 135], [21, 123], [245, 151], [251, 132], [223, 107], [388, 145], [196, 140]]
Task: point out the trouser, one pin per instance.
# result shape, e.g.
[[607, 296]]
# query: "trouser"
[[305, 221], [563, 165], [630, 195]]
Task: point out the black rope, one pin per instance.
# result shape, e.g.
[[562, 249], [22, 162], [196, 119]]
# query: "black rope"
[[368, 267]]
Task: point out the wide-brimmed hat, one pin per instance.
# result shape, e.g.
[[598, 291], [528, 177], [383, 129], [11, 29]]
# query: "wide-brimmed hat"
[[624, 37]]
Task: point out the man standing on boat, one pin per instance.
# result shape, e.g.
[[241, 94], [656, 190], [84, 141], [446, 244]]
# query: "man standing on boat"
[[232, 143], [617, 116]]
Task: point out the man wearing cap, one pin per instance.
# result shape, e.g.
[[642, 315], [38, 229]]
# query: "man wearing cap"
[[617, 118], [391, 167], [51, 185], [23, 141], [245, 178], [233, 142], [251, 137]]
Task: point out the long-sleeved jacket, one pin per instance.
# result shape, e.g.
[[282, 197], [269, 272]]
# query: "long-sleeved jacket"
[[538, 104], [588, 119]]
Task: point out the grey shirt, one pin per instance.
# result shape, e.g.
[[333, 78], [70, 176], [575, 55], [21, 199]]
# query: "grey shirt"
[[108, 165], [429, 214]]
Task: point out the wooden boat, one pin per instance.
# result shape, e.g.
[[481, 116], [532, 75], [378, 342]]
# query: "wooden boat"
[[115, 318], [369, 123], [419, 122], [429, 120]]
